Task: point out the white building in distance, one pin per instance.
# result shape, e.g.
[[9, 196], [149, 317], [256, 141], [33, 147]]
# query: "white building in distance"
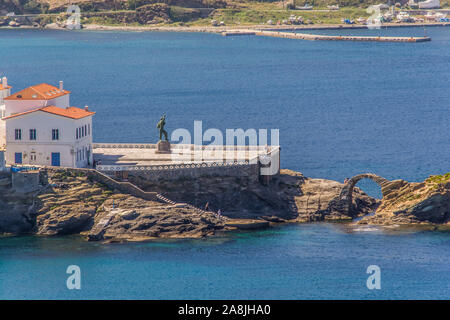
[[430, 4], [5, 91], [41, 128]]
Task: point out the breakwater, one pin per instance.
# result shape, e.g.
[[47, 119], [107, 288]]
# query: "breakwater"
[[314, 37]]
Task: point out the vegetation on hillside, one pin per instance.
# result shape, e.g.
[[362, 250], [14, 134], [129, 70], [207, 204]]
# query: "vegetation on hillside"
[[442, 178]]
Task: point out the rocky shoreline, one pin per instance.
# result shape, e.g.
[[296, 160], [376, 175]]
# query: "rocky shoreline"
[[73, 203], [414, 203], [210, 29]]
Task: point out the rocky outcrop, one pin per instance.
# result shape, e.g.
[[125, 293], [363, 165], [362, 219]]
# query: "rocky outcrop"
[[153, 13], [69, 202], [318, 201], [124, 217], [422, 203], [289, 196], [75, 202], [66, 219], [110, 5], [15, 209]]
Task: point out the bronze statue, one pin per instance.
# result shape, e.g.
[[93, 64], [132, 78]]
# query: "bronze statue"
[[160, 126]]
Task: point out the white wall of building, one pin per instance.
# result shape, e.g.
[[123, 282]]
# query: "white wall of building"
[[19, 106], [2, 134], [73, 152], [429, 4], [83, 145], [3, 94]]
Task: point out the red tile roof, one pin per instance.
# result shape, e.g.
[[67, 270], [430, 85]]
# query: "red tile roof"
[[71, 112], [41, 91], [2, 87]]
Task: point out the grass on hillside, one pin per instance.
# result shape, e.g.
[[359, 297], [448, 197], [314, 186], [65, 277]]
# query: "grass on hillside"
[[442, 178], [253, 12], [248, 17]]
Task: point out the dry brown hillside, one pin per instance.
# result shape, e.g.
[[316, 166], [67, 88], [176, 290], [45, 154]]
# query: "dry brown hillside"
[[60, 3], [124, 3], [43, 6]]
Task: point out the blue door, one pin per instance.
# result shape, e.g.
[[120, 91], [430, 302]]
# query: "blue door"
[[18, 158], [56, 159]]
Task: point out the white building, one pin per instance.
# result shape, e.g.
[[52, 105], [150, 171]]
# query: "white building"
[[42, 129], [430, 4], [5, 91], [39, 96]]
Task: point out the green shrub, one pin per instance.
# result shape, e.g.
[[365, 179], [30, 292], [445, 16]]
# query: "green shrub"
[[439, 178], [35, 7], [180, 14]]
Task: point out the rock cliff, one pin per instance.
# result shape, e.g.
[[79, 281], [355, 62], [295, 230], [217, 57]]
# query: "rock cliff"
[[69, 202], [289, 196], [15, 209], [414, 203], [74, 204]]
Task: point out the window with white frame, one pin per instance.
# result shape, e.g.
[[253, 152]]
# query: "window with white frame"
[[55, 134], [18, 134], [32, 134]]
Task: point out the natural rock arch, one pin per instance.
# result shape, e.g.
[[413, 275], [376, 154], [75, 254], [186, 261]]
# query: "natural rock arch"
[[346, 195]]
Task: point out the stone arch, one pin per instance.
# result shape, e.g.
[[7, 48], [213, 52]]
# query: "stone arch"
[[346, 195]]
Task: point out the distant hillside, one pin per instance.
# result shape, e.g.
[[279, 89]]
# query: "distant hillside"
[[44, 6], [55, 6]]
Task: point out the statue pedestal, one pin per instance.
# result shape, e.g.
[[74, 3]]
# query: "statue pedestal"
[[163, 147]]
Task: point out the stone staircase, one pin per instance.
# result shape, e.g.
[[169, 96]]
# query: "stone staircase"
[[198, 210], [164, 199], [125, 187], [130, 188]]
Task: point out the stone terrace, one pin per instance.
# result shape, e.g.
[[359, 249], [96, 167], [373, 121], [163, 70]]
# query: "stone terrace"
[[126, 154]]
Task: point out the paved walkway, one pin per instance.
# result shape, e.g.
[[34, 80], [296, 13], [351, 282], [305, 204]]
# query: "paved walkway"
[[146, 154]]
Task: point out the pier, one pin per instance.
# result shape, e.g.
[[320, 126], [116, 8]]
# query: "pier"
[[313, 37]]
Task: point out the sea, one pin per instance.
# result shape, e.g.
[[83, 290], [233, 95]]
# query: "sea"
[[341, 109]]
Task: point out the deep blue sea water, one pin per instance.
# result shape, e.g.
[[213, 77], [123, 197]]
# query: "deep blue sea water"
[[292, 262], [342, 108]]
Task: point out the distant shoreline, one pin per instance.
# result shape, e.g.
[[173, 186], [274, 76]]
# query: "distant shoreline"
[[210, 29], [266, 27]]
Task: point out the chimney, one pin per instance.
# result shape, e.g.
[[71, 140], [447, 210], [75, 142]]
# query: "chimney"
[[86, 108], [61, 85], [5, 82]]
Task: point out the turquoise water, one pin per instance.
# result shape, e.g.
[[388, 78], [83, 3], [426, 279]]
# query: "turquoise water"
[[342, 109]]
